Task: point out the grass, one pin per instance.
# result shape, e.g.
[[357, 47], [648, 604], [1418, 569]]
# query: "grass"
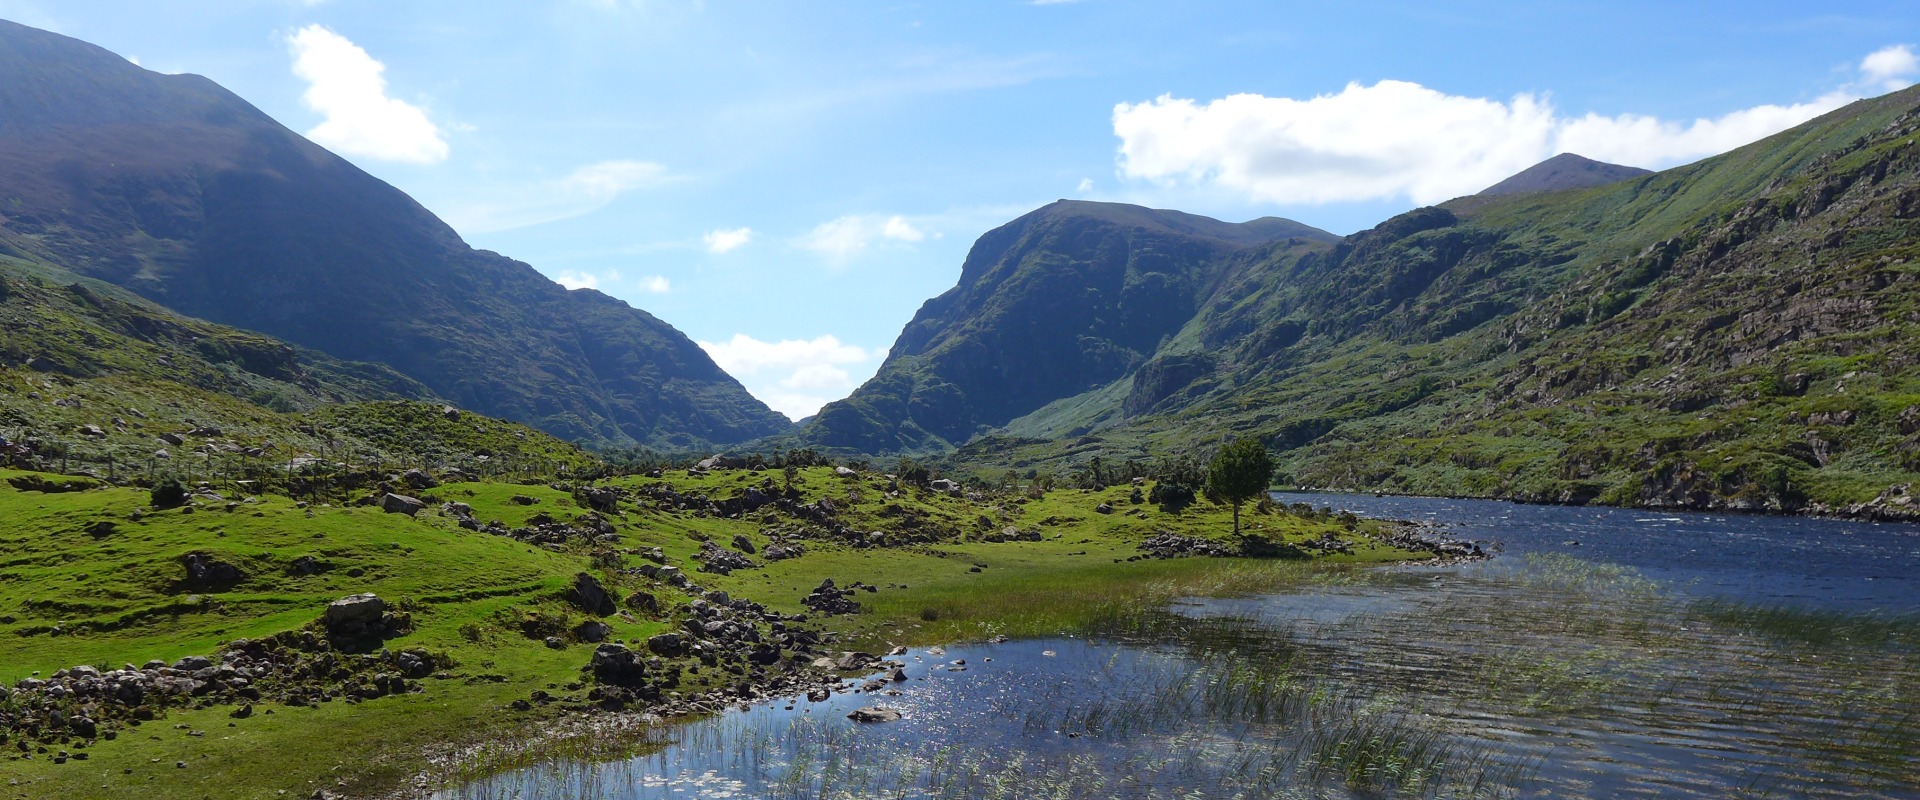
[[115, 599]]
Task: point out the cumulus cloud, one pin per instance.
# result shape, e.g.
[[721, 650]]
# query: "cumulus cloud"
[[577, 280], [347, 88], [1890, 68], [584, 191], [843, 238], [656, 284], [795, 376], [721, 241], [1396, 139]]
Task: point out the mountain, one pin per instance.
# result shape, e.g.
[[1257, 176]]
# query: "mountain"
[[178, 190], [1068, 298], [1564, 171], [1736, 333]]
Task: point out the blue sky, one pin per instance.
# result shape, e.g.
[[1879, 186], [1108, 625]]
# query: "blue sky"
[[786, 182]]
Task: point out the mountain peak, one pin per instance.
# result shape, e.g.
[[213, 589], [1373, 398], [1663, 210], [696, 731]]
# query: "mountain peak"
[[1249, 233], [1564, 171]]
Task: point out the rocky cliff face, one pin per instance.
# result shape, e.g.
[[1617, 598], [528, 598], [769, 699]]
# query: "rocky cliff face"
[[1066, 299], [172, 187]]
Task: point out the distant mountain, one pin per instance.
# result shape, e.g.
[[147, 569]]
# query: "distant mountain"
[[1066, 299], [176, 189], [1737, 333], [1564, 171]]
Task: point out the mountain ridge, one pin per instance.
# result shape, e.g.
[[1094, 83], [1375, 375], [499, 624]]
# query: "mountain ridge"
[[1562, 172], [1065, 298], [178, 190]]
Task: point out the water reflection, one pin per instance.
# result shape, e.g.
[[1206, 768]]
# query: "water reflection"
[[1542, 675]]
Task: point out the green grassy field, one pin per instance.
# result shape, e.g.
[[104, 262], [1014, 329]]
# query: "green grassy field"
[[73, 591]]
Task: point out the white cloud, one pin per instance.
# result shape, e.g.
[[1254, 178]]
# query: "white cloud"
[[577, 280], [584, 191], [721, 241], [345, 86], [1890, 68], [795, 376], [1086, 185], [1395, 139], [843, 238], [817, 376], [1653, 143]]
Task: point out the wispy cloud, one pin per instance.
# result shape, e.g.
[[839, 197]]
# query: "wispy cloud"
[[584, 191], [347, 88], [843, 238], [1396, 139], [721, 241]]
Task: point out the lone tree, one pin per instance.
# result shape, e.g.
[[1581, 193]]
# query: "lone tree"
[[1238, 473]]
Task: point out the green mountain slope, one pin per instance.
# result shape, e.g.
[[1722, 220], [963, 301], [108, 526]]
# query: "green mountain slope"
[[1737, 333], [96, 380], [178, 190], [1064, 300]]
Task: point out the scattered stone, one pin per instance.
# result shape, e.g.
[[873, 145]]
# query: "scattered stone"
[[831, 600]]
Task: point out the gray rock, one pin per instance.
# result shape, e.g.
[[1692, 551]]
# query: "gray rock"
[[590, 596], [615, 664], [401, 504], [874, 714], [845, 472], [359, 609], [418, 479], [671, 645], [592, 630], [744, 544]]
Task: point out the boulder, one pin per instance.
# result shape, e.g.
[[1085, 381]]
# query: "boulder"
[[401, 504], [845, 472], [874, 714], [306, 565], [743, 544], [944, 486], [592, 630], [359, 609], [590, 596], [616, 665], [670, 645], [418, 479], [450, 412], [206, 573], [643, 602]]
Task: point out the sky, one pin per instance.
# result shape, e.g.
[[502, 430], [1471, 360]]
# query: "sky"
[[786, 182]]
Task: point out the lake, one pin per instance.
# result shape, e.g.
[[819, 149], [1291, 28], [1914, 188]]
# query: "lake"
[[1603, 653]]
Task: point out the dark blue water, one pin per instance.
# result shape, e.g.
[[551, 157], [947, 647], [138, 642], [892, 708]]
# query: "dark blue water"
[[1591, 693], [1829, 564]]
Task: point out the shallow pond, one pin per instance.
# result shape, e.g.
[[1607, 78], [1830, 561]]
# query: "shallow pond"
[[1664, 655]]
